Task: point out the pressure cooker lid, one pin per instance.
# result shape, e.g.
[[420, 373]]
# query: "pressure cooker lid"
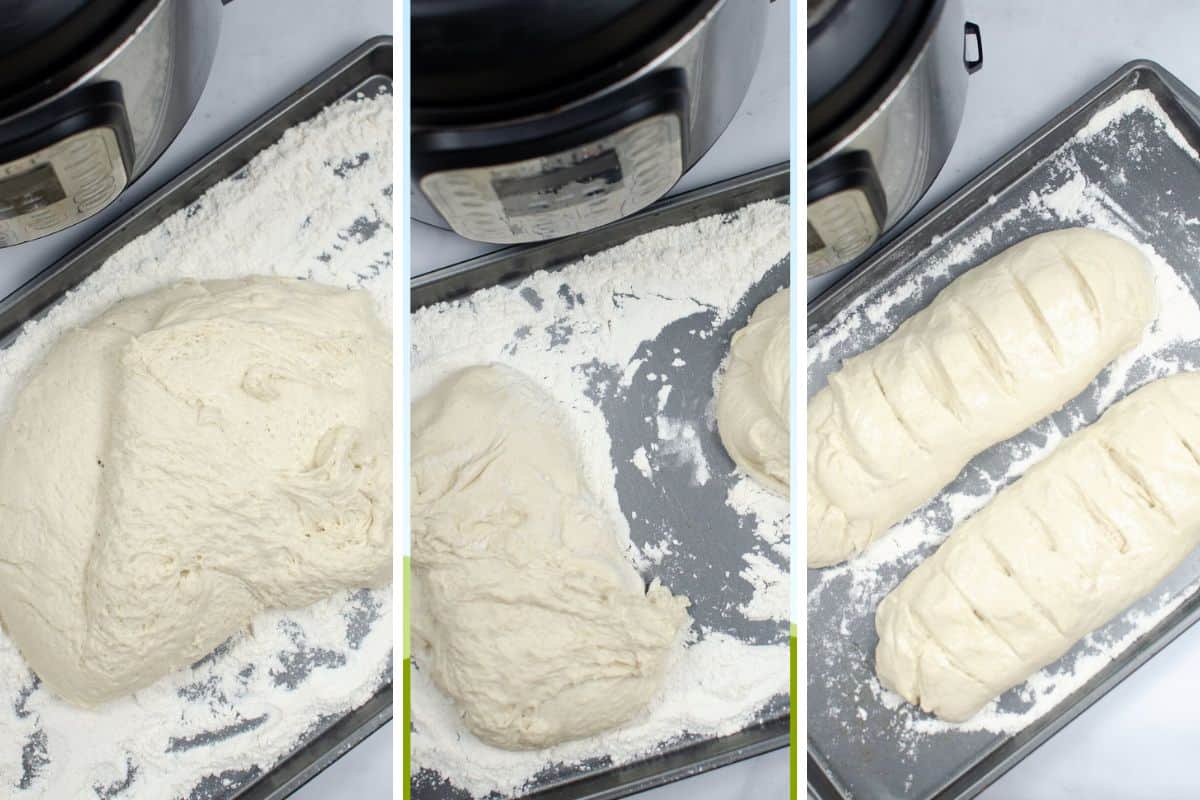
[[512, 57], [46, 45], [858, 50]]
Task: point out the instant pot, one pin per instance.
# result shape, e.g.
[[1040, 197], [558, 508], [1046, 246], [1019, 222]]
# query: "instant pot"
[[887, 81], [91, 93], [533, 120]]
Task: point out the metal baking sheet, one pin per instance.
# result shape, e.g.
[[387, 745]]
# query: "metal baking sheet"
[[702, 510], [368, 69], [862, 758]]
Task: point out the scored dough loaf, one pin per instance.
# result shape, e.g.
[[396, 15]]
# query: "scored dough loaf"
[[1055, 555], [1001, 347]]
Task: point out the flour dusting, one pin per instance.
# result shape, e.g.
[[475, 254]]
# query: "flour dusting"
[[315, 205]]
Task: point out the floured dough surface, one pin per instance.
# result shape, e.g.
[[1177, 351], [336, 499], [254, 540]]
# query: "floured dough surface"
[[525, 610], [1057, 554], [191, 457], [1002, 346], [752, 406]]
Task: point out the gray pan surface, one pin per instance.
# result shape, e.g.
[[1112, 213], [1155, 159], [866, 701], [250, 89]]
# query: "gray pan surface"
[[368, 69], [714, 537], [858, 746]]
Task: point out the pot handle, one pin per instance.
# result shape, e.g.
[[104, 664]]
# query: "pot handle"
[[971, 31]]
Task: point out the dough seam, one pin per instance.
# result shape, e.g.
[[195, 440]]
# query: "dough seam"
[[1041, 324], [859, 451], [951, 401], [1089, 294], [1020, 584], [895, 411], [1141, 489], [931, 639], [987, 623], [1108, 528], [993, 357]]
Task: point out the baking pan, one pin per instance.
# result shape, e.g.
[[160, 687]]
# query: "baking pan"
[[368, 69], [599, 780], [1148, 178], [510, 264]]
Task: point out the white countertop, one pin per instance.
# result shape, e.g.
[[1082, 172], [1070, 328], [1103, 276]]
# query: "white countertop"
[[268, 49], [1139, 741]]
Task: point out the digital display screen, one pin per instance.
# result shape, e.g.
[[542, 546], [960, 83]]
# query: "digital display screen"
[[29, 191], [559, 188]]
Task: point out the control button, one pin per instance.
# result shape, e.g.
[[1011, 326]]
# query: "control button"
[[45, 191], [47, 219], [564, 192]]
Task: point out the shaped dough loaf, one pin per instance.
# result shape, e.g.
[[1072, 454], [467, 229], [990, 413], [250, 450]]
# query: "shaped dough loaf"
[[1055, 555], [998, 349], [525, 610], [191, 457], [752, 407]]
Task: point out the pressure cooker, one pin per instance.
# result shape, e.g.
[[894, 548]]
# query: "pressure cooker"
[[532, 121], [887, 82], [91, 94]]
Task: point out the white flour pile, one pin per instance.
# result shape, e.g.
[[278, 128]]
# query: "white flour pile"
[[315, 205], [855, 588], [581, 332], [772, 598]]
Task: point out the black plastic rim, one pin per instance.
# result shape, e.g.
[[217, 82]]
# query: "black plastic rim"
[[625, 65], [823, 22], [845, 108], [50, 64]]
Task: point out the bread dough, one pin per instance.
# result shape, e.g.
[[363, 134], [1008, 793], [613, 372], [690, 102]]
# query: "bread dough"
[[752, 406], [1055, 555], [524, 609], [191, 457], [998, 349]]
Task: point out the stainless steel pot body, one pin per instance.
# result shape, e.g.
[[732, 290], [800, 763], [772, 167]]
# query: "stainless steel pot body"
[[600, 157], [895, 152], [69, 153]]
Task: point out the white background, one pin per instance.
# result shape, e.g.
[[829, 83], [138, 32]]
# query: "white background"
[[1142, 741]]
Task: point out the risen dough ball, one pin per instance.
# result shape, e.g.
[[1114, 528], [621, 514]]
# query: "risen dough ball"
[[752, 406], [524, 609], [190, 458]]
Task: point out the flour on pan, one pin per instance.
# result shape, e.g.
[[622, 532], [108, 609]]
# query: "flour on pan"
[[771, 517], [859, 584], [583, 333], [315, 205]]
